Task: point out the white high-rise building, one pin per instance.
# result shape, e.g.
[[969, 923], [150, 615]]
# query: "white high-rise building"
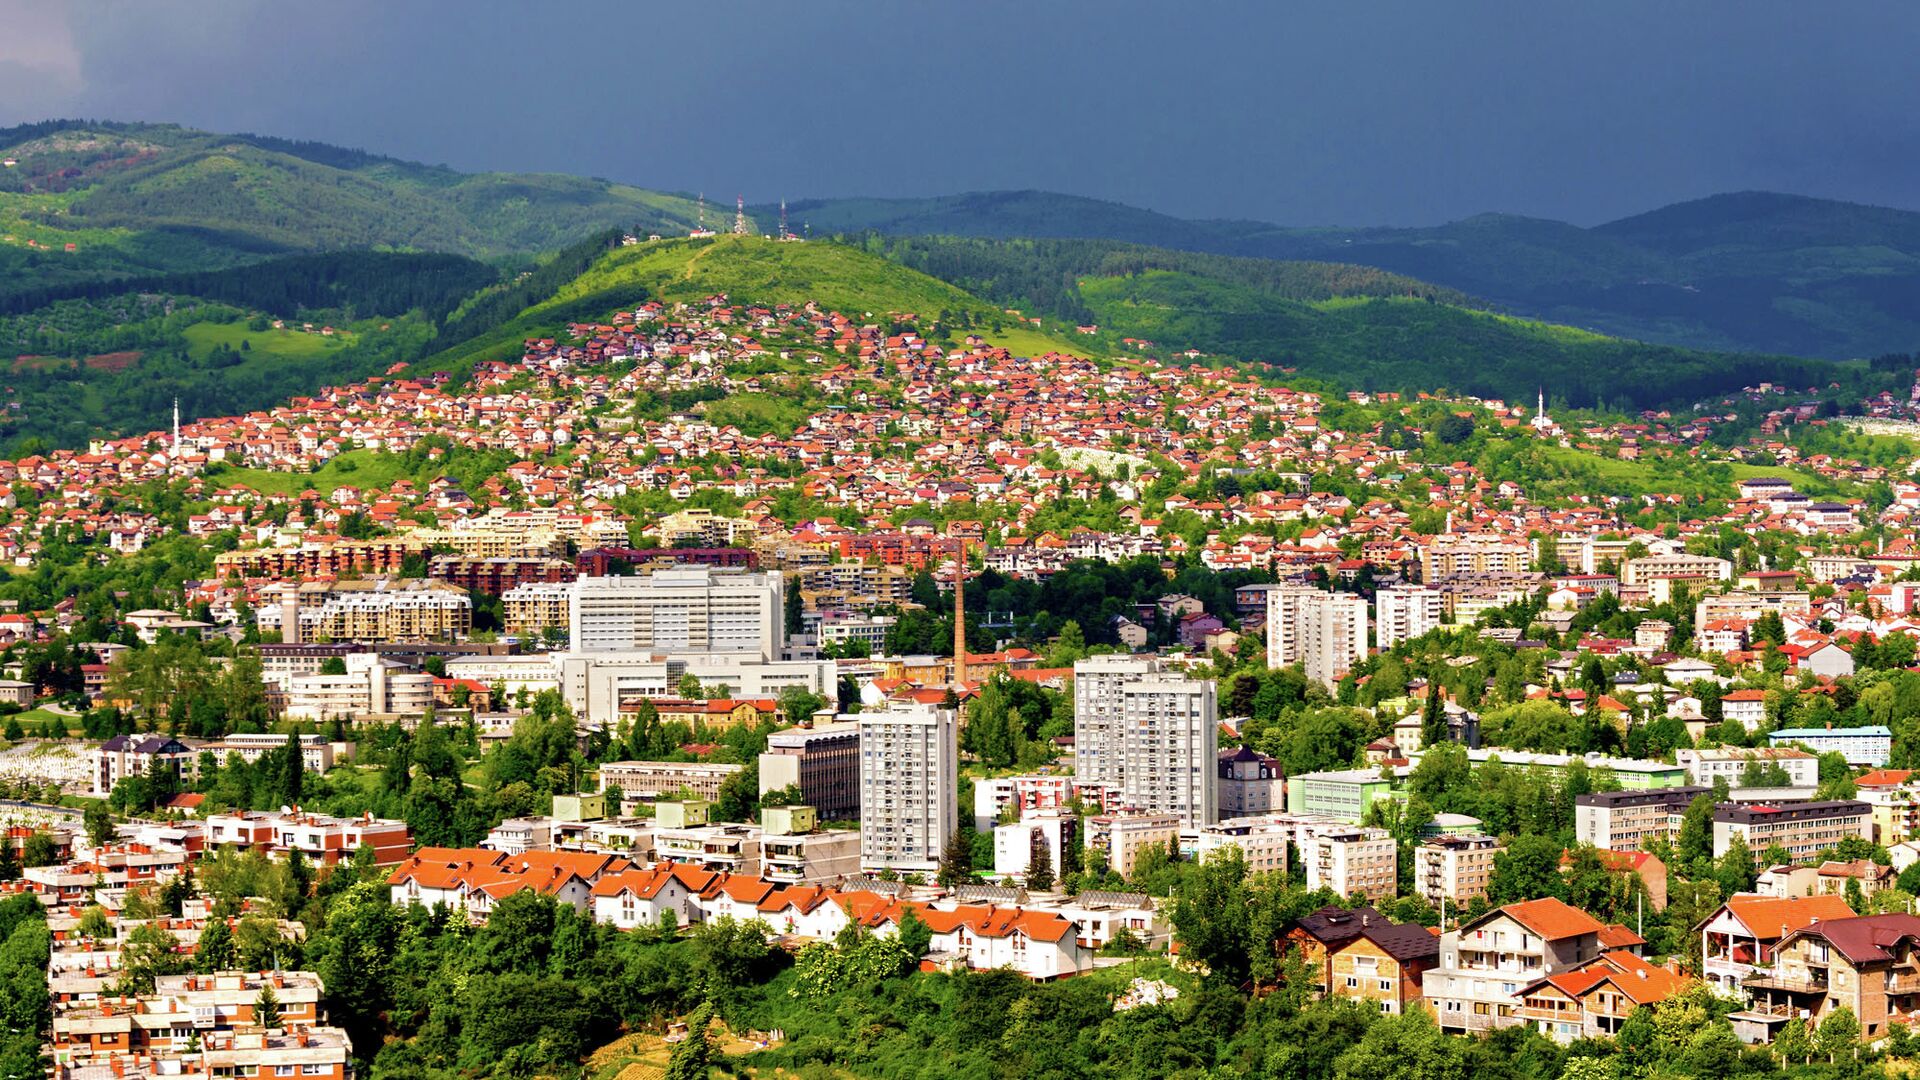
[[693, 609], [1170, 748], [1097, 681], [909, 786], [1405, 612], [1153, 735], [1283, 623], [1332, 629]]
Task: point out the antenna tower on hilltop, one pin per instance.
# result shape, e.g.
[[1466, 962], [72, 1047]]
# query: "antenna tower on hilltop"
[[783, 220], [739, 215]]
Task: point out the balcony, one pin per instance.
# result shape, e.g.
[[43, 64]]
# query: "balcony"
[[1903, 982], [1812, 983]]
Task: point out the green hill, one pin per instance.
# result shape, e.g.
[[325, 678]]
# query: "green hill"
[[1352, 326], [136, 199], [1751, 271]]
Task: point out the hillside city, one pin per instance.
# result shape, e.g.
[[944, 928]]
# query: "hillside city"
[[880, 648]]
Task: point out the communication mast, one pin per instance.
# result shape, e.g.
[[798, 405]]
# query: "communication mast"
[[739, 215], [783, 220]]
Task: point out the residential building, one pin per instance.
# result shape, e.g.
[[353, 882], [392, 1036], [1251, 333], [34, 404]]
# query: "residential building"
[[823, 762], [1627, 820], [1331, 629], [1283, 622], [378, 609], [693, 609], [1486, 962], [1454, 869], [1452, 553], [1261, 842], [1342, 795], [1250, 783], [1749, 707], [1016, 846], [909, 779], [1364, 955], [1869, 964], [1802, 829], [1097, 681], [1895, 798], [1651, 568], [1706, 765], [1593, 1000], [138, 755], [1169, 747], [532, 608], [997, 796], [1405, 612], [666, 779], [1353, 861], [371, 686], [1867, 747], [1120, 839]]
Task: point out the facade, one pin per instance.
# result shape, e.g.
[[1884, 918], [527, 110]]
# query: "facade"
[[1121, 839], [909, 787], [1868, 746], [1473, 553], [1405, 612], [1363, 955], [1454, 868], [371, 686], [666, 779], [532, 607], [1262, 842], [1740, 937], [1803, 829], [1869, 963], [1097, 681], [1485, 963], [1332, 634], [1593, 1000], [1283, 622], [1250, 783], [1170, 747], [379, 609], [695, 609], [1350, 861], [824, 762], [138, 755], [1343, 795], [1627, 820], [1707, 765]]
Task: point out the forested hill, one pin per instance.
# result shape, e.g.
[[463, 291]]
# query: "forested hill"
[[83, 201], [1352, 326], [1751, 271]]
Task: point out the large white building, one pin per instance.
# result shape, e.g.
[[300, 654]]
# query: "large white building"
[[692, 609], [370, 686], [909, 786], [1405, 612], [1332, 631], [1283, 622], [1097, 681], [1151, 734]]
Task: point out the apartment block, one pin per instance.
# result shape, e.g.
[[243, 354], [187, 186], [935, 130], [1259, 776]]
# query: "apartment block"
[[1627, 820], [1704, 766], [1803, 829], [1350, 861], [1262, 843], [694, 609], [1405, 612], [823, 762], [1341, 795], [1868, 746], [666, 779], [1170, 747], [909, 786], [1097, 681], [536, 606], [1473, 553], [1250, 783], [1454, 868], [1121, 839]]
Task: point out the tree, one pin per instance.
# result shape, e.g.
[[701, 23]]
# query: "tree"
[[333, 665], [1794, 1044], [1453, 428], [1696, 829], [1433, 718], [215, 951], [38, 850], [266, 1007], [956, 862], [1040, 870], [692, 1057], [1528, 870], [1409, 1046], [1210, 914], [914, 934], [1838, 1035], [99, 823], [10, 860], [1736, 870]]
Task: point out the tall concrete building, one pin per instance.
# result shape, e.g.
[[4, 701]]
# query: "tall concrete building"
[[691, 609], [1405, 612], [1152, 734], [909, 786], [1332, 630], [1283, 622], [1097, 681]]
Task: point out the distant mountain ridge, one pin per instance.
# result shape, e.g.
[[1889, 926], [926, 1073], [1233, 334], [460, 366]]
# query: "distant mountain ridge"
[[1746, 271]]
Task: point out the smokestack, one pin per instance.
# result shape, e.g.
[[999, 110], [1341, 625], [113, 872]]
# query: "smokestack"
[[290, 614], [960, 618]]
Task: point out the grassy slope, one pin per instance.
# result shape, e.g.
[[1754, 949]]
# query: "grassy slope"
[[1396, 344], [203, 338]]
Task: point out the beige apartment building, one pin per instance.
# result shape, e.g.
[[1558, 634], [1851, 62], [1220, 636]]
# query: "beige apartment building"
[[1473, 553], [1455, 868], [1353, 860], [537, 606]]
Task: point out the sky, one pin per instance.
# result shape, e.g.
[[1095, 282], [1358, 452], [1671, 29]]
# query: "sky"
[[1349, 113]]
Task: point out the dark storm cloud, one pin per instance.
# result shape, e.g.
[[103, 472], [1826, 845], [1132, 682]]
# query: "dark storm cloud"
[[1350, 113]]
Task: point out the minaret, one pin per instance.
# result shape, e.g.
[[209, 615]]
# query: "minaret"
[[739, 215], [1540, 405], [176, 428], [960, 618]]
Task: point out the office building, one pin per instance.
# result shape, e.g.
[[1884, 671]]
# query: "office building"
[[909, 786]]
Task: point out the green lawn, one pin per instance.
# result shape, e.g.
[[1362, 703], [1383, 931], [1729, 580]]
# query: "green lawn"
[[203, 338], [355, 468]]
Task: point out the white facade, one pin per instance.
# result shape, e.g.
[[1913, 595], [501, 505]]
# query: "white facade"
[[370, 686], [697, 609], [1352, 861], [1705, 766], [1170, 747], [1333, 635], [909, 787], [1405, 612], [1097, 681], [1283, 627]]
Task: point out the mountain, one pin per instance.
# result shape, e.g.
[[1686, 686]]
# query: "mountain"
[[1750, 271], [82, 201], [1350, 326]]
